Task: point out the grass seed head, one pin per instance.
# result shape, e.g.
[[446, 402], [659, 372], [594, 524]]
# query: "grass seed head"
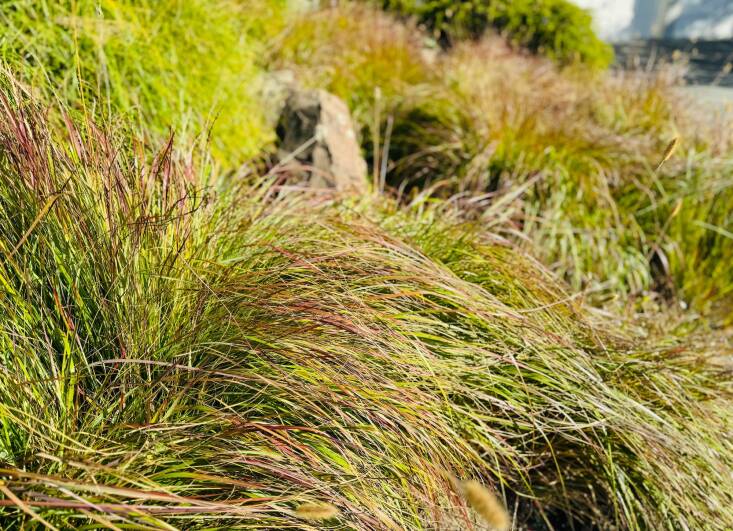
[[487, 505], [668, 152], [317, 511]]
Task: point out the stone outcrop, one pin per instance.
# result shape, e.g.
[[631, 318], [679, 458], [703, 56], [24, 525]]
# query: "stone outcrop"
[[317, 143]]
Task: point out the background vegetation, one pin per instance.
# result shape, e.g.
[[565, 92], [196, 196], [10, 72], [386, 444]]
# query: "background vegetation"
[[556, 28], [573, 152], [189, 66]]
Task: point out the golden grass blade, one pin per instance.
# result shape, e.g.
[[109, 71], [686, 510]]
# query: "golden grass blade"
[[46, 207]]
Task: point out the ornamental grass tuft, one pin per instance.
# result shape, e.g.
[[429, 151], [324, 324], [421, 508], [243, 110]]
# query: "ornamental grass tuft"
[[184, 349]]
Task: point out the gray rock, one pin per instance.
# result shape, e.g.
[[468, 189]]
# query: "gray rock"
[[275, 87], [317, 142]]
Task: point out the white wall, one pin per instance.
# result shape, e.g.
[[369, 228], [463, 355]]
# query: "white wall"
[[612, 17], [618, 20]]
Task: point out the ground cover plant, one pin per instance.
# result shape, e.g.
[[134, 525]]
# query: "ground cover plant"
[[182, 351]]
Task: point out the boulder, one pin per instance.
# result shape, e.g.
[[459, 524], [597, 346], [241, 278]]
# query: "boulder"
[[275, 87], [317, 142]]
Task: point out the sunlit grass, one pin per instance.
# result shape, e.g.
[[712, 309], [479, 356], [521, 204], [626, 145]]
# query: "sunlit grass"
[[184, 65], [181, 350], [572, 154], [186, 344]]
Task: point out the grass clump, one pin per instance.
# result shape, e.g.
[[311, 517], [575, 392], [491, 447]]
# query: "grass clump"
[[188, 65], [555, 28], [184, 351], [587, 149], [571, 154]]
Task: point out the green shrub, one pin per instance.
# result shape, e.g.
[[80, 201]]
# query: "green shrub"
[[556, 28]]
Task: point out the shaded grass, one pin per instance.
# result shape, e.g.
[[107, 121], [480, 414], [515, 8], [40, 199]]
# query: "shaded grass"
[[180, 350]]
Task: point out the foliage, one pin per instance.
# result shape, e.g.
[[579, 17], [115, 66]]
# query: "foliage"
[[571, 154], [188, 65], [555, 28], [181, 350], [184, 344], [360, 54], [587, 149]]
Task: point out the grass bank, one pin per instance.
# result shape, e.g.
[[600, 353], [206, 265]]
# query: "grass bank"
[[571, 153], [186, 344], [191, 66], [184, 351]]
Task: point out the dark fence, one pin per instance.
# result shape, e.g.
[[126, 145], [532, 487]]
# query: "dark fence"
[[709, 62]]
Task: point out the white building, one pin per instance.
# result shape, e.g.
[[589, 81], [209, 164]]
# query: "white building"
[[619, 20]]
